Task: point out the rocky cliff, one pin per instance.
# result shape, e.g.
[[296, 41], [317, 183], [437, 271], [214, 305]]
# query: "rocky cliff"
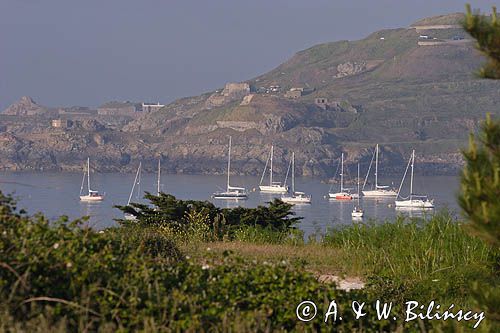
[[385, 88]]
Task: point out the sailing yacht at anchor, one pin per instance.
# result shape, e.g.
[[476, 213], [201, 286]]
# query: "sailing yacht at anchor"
[[273, 187], [232, 192], [92, 195], [413, 201], [158, 178], [357, 212], [343, 194], [295, 197], [379, 190]]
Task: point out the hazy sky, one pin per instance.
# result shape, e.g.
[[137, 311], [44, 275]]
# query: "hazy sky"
[[68, 52]]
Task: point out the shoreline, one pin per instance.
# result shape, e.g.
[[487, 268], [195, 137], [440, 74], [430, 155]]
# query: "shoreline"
[[423, 170]]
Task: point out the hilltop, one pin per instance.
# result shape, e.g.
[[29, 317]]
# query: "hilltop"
[[404, 88]]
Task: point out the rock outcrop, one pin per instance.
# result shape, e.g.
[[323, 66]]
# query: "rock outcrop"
[[350, 68], [26, 106]]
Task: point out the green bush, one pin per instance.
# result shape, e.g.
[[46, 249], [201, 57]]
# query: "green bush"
[[185, 218]]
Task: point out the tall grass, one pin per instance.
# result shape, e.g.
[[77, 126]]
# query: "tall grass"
[[415, 258]]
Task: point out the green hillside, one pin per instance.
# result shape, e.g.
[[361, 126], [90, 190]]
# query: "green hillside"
[[402, 88], [393, 87]]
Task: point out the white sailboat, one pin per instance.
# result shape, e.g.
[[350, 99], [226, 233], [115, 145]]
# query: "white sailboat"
[[357, 211], [379, 190], [232, 192], [273, 187], [158, 178], [137, 182], [92, 195], [344, 194], [295, 197], [413, 201]]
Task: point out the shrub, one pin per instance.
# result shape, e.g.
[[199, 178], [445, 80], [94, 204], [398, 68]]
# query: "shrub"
[[208, 222]]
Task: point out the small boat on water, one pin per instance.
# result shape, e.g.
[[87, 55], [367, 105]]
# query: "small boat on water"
[[344, 194], [413, 201], [378, 190], [357, 212], [296, 197], [92, 195], [231, 192], [158, 179], [273, 187], [137, 182]]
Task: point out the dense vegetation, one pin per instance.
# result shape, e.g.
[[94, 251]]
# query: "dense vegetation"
[[203, 218], [63, 276]]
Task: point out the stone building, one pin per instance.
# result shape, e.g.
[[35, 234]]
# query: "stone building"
[[321, 102], [232, 89], [294, 93], [151, 107], [61, 123]]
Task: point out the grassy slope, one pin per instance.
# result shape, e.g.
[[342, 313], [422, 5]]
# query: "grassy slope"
[[435, 260]]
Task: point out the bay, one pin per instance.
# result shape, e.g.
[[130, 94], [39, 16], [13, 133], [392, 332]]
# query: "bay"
[[55, 194]]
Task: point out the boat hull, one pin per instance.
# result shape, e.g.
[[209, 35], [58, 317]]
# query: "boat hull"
[[340, 196], [357, 214], [296, 200], [229, 196], [88, 198], [273, 189], [379, 193], [418, 204]]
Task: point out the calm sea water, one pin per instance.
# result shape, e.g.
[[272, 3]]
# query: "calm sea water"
[[56, 194]]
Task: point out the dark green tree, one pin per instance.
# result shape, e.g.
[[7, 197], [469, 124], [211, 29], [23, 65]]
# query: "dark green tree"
[[167, 210], [480, 180], [480, 183], [486, 31]]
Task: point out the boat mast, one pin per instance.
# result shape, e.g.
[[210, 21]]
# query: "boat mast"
[[358, 184], [342, 174], [228, 163], [293, 173], [376, 168], [139, 181], [404, 177], [271, 171], [411, 179], [135, 182], [158, 180], [369, 169], [83, 180], [88, 173], [265, 169]]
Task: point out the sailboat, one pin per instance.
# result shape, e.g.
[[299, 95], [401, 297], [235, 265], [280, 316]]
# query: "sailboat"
[[273, 187], [379, 190], [357, 211], [413, 201], [343, 194], [158, 178], [137, 182], [232, 192], [296, 197], [92, 195]]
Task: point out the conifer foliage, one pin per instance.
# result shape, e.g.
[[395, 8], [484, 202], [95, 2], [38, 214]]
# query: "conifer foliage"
[[486, 31], [480, 184]]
